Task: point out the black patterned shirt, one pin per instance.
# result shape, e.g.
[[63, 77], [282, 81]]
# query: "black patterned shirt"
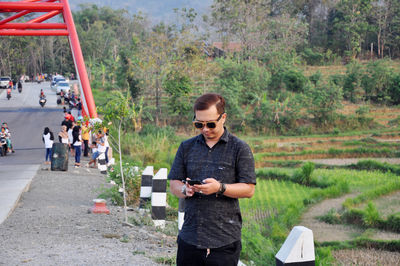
[[211, 221]]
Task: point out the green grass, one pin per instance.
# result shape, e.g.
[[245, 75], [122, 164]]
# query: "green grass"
[[271, 197], [277, 206]]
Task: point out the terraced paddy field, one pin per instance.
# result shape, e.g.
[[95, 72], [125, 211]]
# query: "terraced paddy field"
[[345, 187]]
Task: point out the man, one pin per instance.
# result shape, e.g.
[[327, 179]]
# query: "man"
[[224, 164]]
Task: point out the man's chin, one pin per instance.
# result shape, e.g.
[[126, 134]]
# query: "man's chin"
[[209, 137]]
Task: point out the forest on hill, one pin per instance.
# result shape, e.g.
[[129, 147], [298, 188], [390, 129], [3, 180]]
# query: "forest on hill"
[[252, 52]]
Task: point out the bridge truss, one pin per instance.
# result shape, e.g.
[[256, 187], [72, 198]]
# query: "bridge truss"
[[39, 27]]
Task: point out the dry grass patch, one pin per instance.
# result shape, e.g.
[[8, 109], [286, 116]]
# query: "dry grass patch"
[[366, 257]]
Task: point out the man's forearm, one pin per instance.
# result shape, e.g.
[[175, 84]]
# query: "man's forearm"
[[239, 190]]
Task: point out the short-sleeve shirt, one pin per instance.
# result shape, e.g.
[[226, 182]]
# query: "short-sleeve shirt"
[[213, 221]]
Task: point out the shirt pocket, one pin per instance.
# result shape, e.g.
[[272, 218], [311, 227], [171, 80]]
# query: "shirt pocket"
[[225, 172], [194, 169]]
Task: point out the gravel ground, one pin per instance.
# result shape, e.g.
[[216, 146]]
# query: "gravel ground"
[[52, 226]]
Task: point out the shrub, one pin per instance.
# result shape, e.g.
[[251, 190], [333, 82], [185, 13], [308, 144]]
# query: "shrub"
[[272, 174], [393, 222], [352, 82], [371, 165], [353, 216], [294, 80], [375, 81], [315, 78], [394, 89], [362, 110], [331, 217], [337, 79], [132, 185], [371, 215], [323, 101], [307, 170], [313, 58]]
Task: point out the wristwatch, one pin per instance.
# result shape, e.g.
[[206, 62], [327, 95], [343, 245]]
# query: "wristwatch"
[[183, 190], [221, 190]]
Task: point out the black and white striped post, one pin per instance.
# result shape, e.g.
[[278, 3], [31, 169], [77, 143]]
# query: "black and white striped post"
[[145, 188], [159, 198], [181, 213], [298, 248], [102, 166]]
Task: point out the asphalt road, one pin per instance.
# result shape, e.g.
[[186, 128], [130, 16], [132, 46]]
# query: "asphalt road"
[[26, 121]]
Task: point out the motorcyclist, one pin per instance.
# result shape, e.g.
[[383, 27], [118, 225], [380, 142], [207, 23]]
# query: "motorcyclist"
[[42, 95], [8, 137]]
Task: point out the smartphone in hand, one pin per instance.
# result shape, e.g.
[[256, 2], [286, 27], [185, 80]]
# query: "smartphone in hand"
[[194, 182]]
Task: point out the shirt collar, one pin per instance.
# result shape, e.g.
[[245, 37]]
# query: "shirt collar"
[[224, 137]]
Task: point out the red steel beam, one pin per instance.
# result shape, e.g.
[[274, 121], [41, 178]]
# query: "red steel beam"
[[33, 33], [45, 17], [40, 26], [22, 13], [88, 101], [13, 17], [33, 7]]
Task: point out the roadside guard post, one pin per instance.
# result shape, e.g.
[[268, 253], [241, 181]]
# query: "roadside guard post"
[[146, 186], [298, 249], [159, 198]]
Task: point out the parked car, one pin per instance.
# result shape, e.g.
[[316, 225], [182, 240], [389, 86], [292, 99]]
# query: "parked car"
[[4, 81], [55, 80], [62, 85]]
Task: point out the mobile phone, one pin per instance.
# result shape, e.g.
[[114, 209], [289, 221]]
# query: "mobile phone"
[[194, 182]]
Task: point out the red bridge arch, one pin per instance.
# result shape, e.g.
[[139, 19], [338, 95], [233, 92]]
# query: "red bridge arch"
[[36, 27]]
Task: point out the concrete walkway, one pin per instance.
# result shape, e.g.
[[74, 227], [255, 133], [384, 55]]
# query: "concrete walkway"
[[13, 182]]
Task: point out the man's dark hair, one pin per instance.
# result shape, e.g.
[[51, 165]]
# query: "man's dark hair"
[[207, 100]]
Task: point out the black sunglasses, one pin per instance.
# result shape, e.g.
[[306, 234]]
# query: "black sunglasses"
[[209, 124]]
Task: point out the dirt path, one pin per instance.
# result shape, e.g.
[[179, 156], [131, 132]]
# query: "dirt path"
[[338, 232], [328, 232]]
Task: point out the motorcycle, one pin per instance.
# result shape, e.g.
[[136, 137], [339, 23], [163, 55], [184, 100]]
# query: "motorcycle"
[[72, 104], [8, 95], [19, 87], [3, 146], [42, 101]]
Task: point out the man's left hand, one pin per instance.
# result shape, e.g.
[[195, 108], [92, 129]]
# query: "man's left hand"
[[210, 186]]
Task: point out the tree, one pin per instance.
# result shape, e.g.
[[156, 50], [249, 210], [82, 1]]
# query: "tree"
[[351, 23], [120, 111], [261, 26], [179, 87]]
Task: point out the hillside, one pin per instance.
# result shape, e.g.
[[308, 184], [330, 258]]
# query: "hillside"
[[157, 10]]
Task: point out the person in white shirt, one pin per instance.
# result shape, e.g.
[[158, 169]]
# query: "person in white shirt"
[[77, 144], [48, 139], [71, 139]]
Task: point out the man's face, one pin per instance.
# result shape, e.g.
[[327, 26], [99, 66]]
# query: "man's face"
[[211, 114]]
